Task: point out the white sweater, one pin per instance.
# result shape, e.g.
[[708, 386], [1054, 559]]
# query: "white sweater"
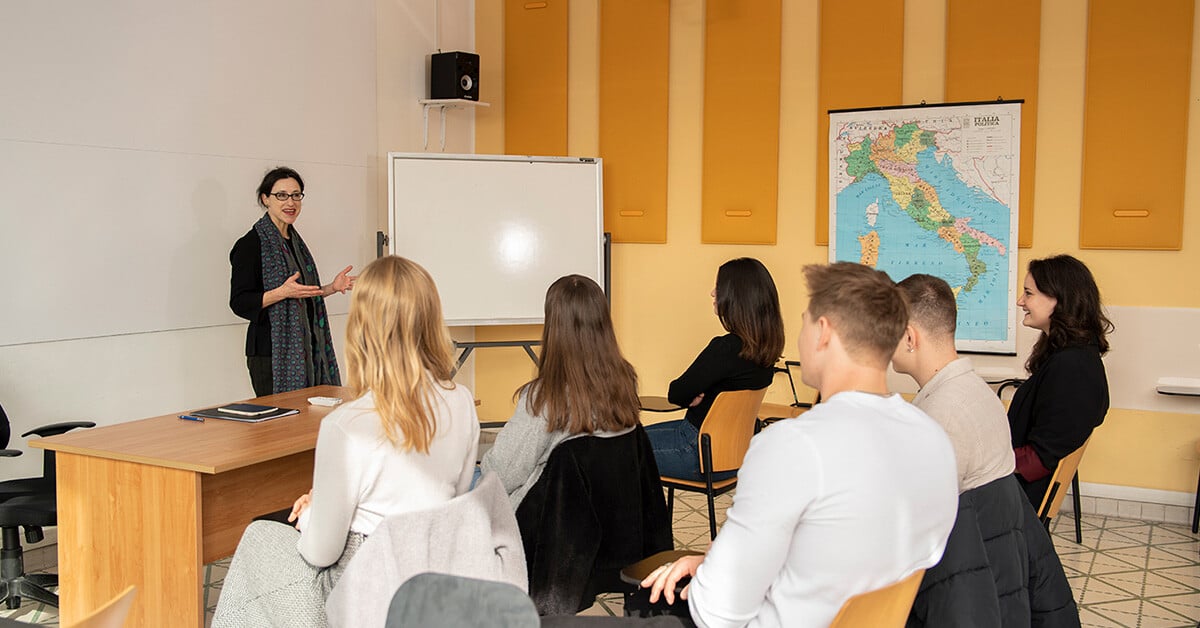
[[360, 478], [849, 497]]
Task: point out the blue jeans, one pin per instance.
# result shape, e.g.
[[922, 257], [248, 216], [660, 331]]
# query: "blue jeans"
[[676, 450]]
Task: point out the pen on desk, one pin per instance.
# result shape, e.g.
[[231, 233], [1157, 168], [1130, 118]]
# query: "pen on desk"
[[188, 417]]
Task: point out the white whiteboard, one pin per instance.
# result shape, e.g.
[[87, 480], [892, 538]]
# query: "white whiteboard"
[[495, 231]]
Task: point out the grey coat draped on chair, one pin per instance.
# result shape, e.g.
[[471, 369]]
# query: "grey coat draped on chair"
[[473, 535]]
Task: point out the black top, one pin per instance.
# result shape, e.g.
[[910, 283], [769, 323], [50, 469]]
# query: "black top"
[[717, 369], [1057, 408], [246, 290]]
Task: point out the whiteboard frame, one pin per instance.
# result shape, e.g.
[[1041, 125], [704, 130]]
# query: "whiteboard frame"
[[601, 266]]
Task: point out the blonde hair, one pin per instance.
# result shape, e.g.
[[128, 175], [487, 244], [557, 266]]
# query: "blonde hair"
[[398, 347]]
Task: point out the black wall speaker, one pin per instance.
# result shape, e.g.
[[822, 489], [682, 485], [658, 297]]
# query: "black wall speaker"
[[454, 75]]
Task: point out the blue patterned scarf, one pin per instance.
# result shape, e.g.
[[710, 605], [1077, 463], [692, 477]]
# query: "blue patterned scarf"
[[301, 347]]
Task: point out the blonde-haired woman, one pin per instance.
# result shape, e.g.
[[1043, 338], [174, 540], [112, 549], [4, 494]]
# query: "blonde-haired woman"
[[407, 442]]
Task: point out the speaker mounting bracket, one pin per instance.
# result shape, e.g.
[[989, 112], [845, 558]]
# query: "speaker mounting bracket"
[[442, 104]]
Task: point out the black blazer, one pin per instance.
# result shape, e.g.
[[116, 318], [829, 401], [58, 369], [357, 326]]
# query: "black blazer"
[[1057, 408]]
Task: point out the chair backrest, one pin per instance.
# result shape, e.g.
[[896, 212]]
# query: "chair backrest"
[[1005, 384], [882, 608], [5, 429], [787, 367], [112, 614], [434, 599], [730, 426], [1058, 483]]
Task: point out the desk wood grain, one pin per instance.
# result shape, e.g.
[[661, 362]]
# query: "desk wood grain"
[[214, 446], [150, 502]]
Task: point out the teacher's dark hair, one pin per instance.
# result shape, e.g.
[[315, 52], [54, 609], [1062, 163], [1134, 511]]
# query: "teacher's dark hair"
[[748, 306], [1077, 318], [584, 384], [275, 176]]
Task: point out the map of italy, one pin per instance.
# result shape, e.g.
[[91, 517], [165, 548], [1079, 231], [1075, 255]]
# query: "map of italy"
[[893, 156], [933, 190]]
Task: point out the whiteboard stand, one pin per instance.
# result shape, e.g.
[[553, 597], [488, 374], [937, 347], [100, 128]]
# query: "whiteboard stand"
[[469, 346], [442, 104]]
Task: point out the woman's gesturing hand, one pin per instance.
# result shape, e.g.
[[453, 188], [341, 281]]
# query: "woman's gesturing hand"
[[343, 282], [293, 289]]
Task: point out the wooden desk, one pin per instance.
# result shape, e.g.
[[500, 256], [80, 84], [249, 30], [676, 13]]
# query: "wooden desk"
[[150, 502], [656, 403]]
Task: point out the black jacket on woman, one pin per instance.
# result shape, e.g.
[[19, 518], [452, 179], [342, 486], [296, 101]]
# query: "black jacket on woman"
[[1057, 408]]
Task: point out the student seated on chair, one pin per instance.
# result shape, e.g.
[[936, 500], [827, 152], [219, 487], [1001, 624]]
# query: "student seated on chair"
[[999, 568], [849, 497], [951, 392], [583, 386], [1066, 396], [746, 302], [407, 442]]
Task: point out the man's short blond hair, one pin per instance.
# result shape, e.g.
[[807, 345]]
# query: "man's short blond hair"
[[864, 306]]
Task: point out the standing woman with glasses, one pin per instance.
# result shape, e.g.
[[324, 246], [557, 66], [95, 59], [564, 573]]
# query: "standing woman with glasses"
[[1066, 396], [274, 284]]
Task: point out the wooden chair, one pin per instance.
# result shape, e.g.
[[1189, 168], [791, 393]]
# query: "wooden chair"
[[1054, 492], [724, 438], [771, 412], [883, 608], [112, 614], [1067, 468]]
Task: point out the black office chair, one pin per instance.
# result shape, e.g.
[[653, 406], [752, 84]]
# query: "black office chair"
[[29, 503]]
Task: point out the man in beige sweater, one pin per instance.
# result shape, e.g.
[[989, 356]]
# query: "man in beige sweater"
[[951, 392]]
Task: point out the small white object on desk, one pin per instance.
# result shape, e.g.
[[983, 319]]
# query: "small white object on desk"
[[1188, 386], [325, 401]]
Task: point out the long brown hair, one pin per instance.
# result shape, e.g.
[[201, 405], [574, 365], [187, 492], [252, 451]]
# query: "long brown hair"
[[1077, 318], [583, 384], [748, 306], [398, 347]]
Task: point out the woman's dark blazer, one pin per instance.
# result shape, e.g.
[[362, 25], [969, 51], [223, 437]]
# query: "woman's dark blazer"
[[1057, 408]]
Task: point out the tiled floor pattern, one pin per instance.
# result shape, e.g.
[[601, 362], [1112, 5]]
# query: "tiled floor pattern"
[[1125, 574]]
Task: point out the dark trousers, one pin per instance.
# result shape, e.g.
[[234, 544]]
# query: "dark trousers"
[[262, 377]]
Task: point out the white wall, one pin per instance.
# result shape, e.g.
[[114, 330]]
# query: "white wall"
[[166, 115]]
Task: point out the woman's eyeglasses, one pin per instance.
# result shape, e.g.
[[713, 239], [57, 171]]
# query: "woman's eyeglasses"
[[283, 196]]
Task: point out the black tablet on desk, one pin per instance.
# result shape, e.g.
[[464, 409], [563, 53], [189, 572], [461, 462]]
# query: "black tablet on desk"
[[222, 413]]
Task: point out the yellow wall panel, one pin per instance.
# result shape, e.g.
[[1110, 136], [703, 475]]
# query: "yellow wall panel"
[[861, 64], [1135, 124], [993, 53], [740, 182], [535, 77], [634, 53]]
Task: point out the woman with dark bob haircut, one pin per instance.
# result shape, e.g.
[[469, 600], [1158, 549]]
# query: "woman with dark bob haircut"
[[1066, 396], [747, 304], [274, 284]]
